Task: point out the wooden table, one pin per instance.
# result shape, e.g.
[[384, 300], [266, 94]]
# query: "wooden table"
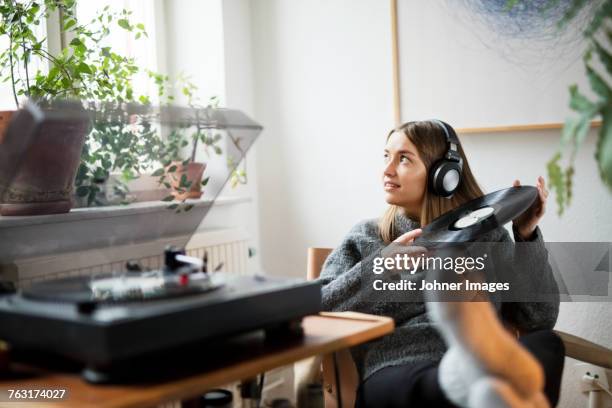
[[324, 333]]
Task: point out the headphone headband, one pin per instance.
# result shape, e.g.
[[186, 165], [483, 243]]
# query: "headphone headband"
[[452, 140]]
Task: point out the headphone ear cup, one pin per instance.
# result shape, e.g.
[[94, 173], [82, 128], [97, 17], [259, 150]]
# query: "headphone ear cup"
[[445, 177]]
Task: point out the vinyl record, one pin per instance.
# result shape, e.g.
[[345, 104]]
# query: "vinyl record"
[[471, 220]]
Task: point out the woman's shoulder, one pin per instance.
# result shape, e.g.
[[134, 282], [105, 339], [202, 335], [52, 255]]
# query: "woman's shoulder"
[[365, 231], [361, 239], [367, 227]]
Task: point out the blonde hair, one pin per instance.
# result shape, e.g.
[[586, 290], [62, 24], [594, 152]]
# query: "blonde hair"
[[430, 141]]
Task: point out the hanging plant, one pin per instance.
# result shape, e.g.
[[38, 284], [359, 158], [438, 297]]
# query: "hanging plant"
[[596, 18]]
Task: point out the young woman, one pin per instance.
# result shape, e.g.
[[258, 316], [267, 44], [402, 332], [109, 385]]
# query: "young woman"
[[445, 354]]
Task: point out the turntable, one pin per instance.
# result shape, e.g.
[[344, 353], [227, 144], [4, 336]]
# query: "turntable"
[[132, 323], [108, 323]]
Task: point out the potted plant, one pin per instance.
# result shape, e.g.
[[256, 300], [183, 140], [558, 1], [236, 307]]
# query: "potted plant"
[[181, 173], [85, 70]]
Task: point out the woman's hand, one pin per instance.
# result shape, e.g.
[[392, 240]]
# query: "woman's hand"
[[527, 222], [408, 237], [403, 246]]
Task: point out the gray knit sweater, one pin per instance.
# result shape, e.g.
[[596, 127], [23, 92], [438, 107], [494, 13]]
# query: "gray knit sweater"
[[415, 338]]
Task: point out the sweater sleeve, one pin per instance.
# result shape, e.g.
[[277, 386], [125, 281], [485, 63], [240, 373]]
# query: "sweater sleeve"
[[346, 273], [347, 278], [527, 263]]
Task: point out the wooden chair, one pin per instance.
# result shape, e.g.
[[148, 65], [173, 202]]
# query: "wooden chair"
[[340, 373]]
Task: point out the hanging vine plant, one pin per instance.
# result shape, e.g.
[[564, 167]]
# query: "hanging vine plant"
[[596, 18], [552, 31]]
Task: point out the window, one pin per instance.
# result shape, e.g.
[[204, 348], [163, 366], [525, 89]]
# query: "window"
[[7, 99], [185, 39], [143, 50]]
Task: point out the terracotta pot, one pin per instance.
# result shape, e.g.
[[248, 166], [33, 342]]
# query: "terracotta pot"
[[46, 169], [194, 173], [5, 118]]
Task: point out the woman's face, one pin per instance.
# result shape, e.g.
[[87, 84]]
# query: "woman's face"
[[405, 175]]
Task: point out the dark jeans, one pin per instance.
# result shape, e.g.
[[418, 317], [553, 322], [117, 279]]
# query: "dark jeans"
[[416, 385]]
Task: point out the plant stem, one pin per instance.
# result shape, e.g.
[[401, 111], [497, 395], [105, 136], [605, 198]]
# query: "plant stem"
[[195, 140], [12, 68], [25, 57], [53, 60]]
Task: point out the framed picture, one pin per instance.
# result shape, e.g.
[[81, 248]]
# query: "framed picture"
[[483, 67]]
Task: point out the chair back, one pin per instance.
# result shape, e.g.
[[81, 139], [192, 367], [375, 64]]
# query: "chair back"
[[315, 261], [339, 371]]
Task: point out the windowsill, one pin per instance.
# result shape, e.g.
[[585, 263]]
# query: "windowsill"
[[112, 226], [89, 213]]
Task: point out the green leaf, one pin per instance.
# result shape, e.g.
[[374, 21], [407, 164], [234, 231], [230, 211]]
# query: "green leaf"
[[168, 198], [125, 24], [603, 153], [82, 191], [172, 207], [598, 84], [569, 175], [582, 130], [83, 68], [598, 18], [69, 24], [556, 180], [188, 207], [218, 150], [569, 130], [578, 101], [604, 56], [572, 11], [76, 42], [53, 73], [205, 182], [172, 169], [183, 182], [158, 173], [92, 195]]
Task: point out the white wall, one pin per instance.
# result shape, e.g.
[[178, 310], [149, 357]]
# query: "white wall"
[[323, 94], [239, 95], [322, 80], [210, 41], [194, 45]]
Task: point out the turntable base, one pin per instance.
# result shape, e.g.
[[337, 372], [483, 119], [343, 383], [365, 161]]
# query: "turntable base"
[[231, 361], [129, 334]]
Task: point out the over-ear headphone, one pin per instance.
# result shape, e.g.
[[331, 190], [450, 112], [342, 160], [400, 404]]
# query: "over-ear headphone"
[[445, 174]]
